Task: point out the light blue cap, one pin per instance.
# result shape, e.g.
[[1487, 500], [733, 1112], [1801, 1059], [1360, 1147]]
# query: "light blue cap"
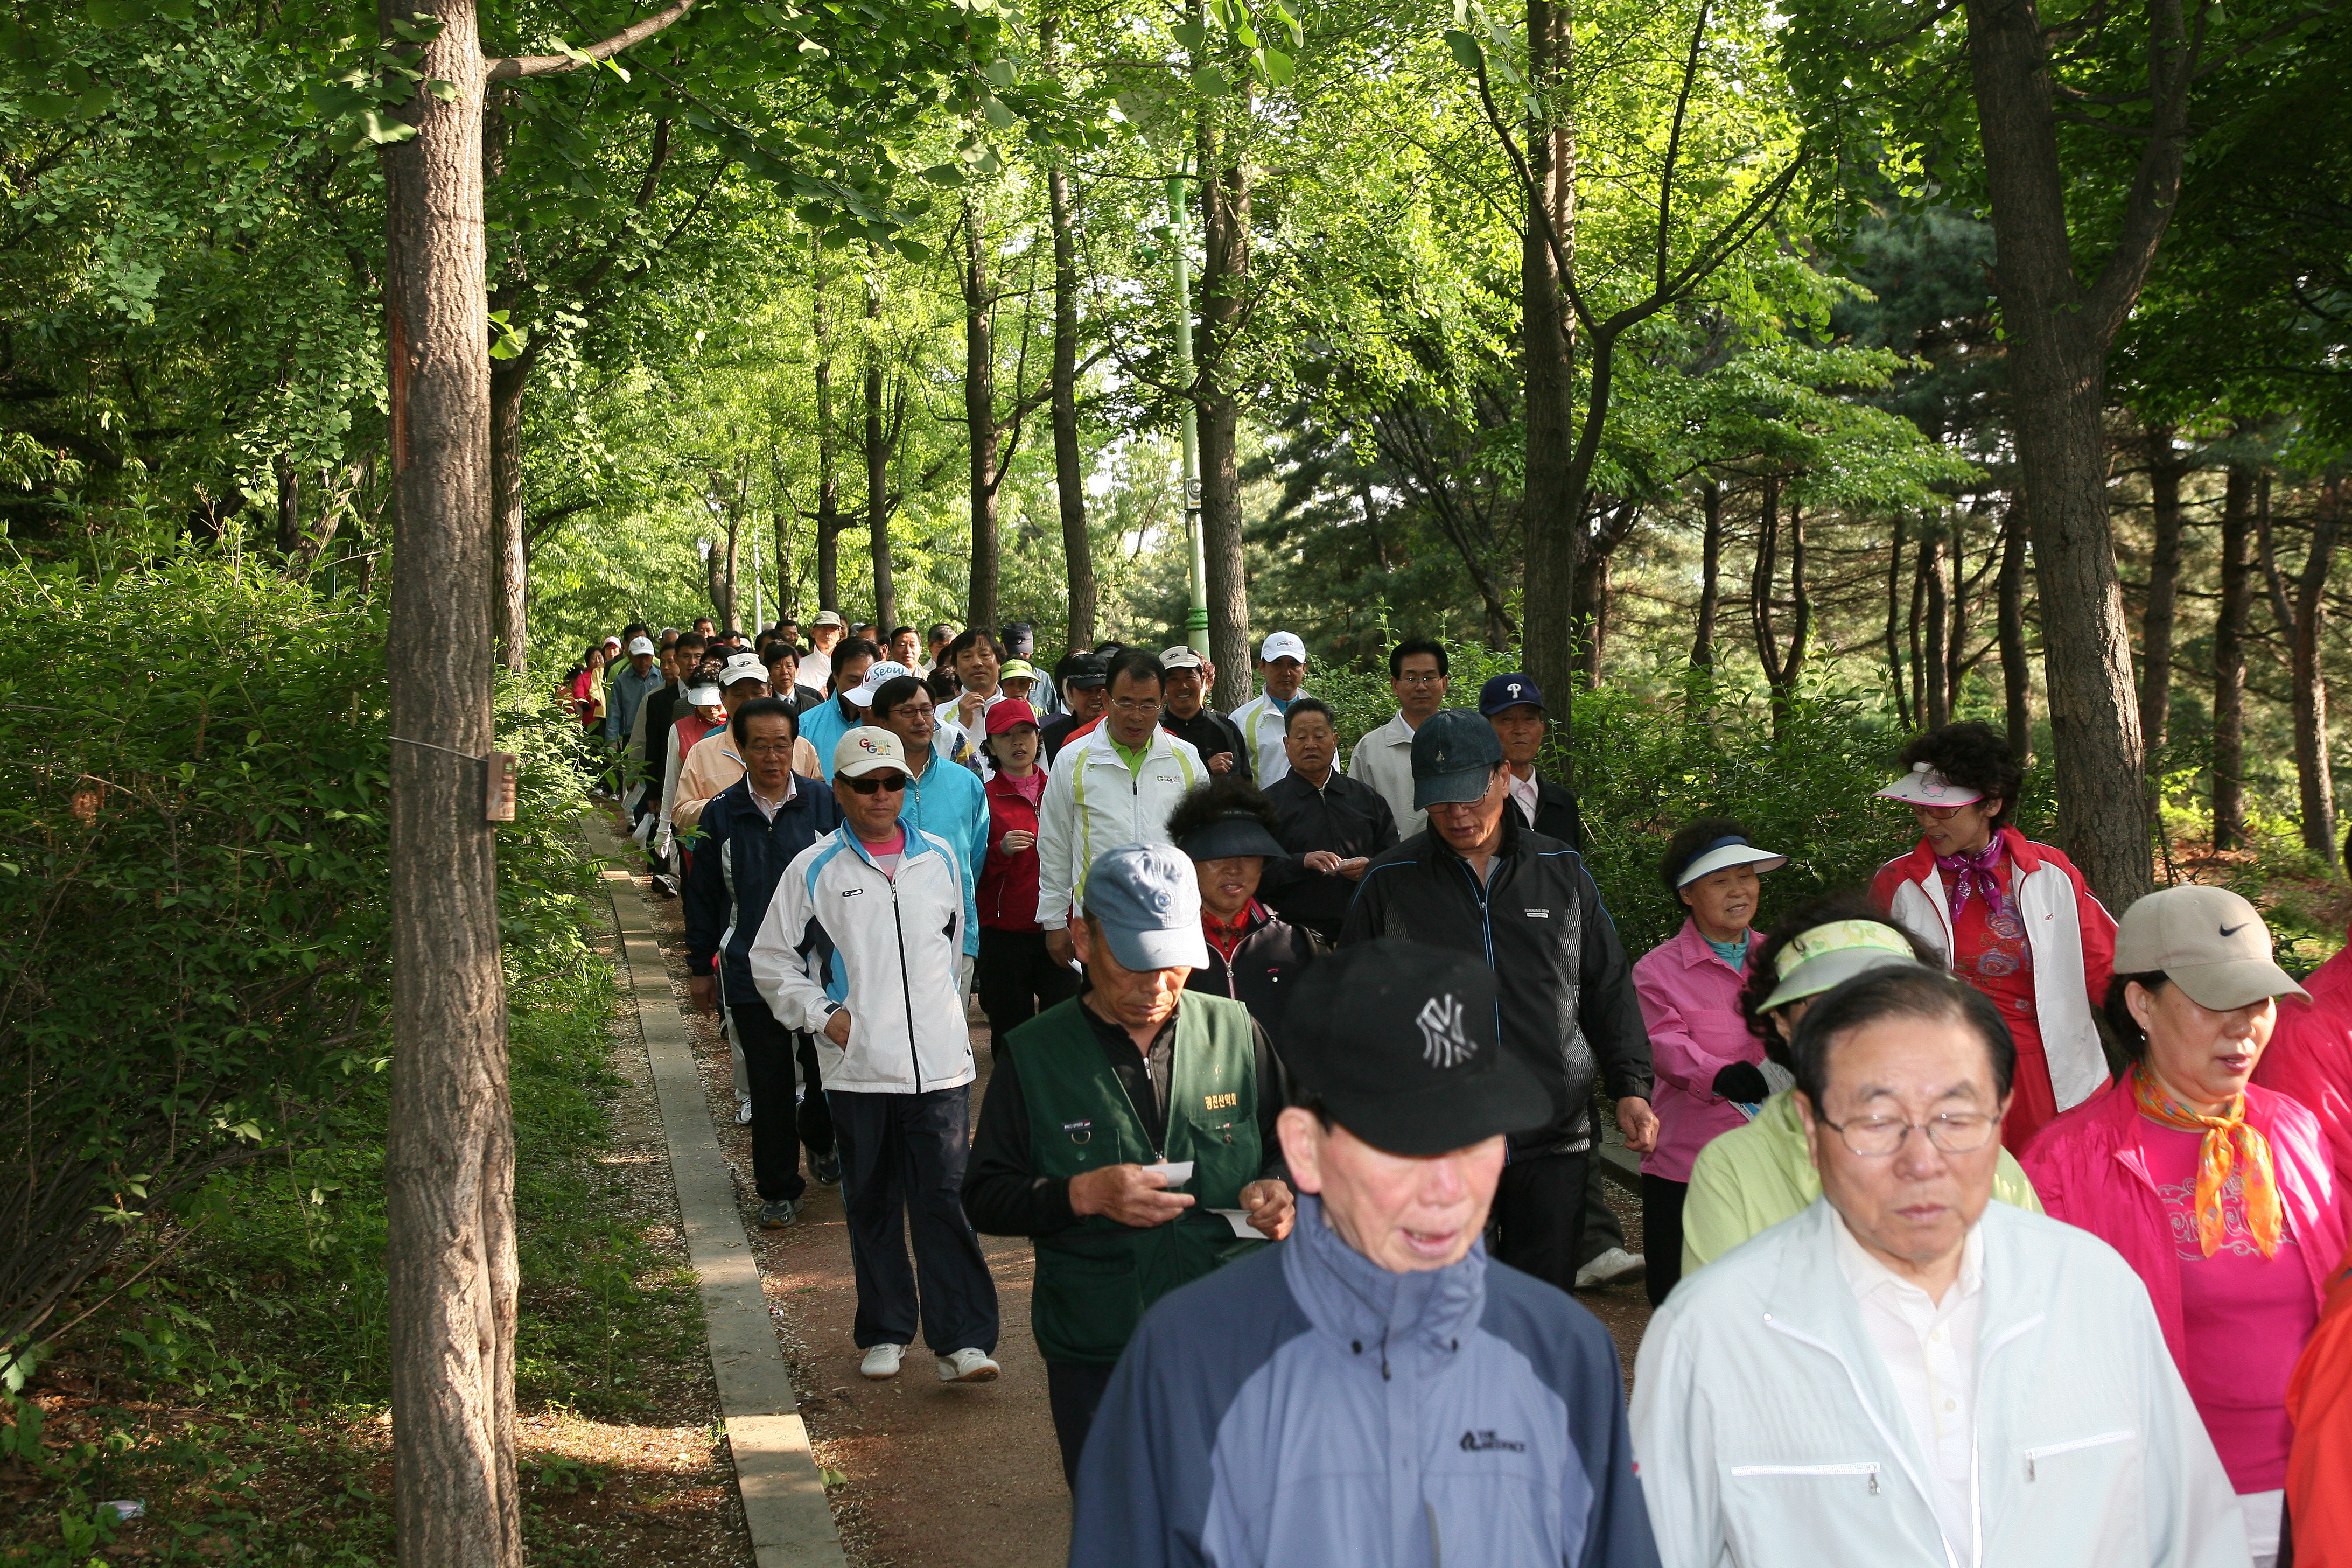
[[1147, 899]]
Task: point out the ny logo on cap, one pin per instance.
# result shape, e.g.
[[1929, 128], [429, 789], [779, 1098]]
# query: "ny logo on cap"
[[1442, 1043]]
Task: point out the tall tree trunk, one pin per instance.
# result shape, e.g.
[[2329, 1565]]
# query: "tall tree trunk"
[[1224, 280], [1592, 616], [1800, 616], [512, 609], [290, 507], [2229, 621], [2058, 331], [2016, 673], [2164, 473], [449, 1151], [1782, 669], [879, 445], [1896, 675], [829, 520], [1935, 619], [1069, 479], [1956, 637], [1920, 568], [1547, 346], [2311, 762], [1711, 574], [979, 415]]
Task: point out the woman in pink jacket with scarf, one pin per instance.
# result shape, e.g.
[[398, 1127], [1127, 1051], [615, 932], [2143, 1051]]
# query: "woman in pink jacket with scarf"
[[1707, 1063], [2216, 1191], [2012, 918]]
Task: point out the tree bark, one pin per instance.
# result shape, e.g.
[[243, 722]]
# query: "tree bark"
[[449, 1152], [2016, 673], [1711, 574], [1070, 481], [511, 610], [1224, 280], [1896, 675], [1592, 586], [2164, 474], [1936, 624], [2311, 760], [2058, 331], [1954, 669], [2229, 621], [1547, 346], [979, 415], [878, 445], [829, 520], [290, 507]]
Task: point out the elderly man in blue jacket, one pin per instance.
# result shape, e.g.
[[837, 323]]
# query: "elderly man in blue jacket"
[[1373, 1391]]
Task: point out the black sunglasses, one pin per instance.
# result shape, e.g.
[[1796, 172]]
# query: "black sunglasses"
[[894, 782]]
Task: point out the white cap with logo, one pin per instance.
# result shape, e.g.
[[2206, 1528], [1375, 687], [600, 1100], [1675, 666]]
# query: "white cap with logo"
[[866, 749], [1282, 645]]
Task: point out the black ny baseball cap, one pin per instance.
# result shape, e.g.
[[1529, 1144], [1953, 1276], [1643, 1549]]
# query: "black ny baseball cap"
[[1397, 1040]]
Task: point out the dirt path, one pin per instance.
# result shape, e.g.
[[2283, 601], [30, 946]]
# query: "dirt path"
[[935, 1476]]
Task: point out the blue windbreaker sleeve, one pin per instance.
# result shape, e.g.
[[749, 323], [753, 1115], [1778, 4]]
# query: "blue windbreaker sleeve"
[[1123, 1516], [1617, 1534], [703, 900]]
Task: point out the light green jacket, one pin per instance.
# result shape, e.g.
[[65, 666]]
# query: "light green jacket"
[[1753, 1177]]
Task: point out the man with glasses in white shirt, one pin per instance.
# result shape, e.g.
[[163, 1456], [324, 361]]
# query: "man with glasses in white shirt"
[[1383, 758], [1908, 1372]]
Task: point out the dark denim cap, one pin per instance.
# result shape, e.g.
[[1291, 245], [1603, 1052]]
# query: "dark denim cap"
[[1455, 756], [1231, 834], [1397, 1040], [1504, 692], [1147, 899]]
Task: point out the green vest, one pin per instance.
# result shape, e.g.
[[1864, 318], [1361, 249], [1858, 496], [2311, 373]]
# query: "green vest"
[[1095, 1279]]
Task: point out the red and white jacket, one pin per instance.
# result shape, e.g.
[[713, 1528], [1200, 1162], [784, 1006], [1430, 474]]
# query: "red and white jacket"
[[2070, 932]]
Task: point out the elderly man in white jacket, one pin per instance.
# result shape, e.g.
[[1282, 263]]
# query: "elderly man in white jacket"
[[1111, 788], [863, 947], [1906, 1375]]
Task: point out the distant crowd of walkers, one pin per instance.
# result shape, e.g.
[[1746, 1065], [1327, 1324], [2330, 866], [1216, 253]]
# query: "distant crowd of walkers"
[[1293, 1091]]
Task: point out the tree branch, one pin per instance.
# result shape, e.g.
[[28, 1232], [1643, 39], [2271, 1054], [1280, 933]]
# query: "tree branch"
[[595, 53]]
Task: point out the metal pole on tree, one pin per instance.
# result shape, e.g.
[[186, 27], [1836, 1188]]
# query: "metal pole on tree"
[[1196, 623]]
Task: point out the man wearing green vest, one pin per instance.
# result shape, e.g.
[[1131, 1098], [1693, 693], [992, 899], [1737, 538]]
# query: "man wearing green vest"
[[1129, 1132]]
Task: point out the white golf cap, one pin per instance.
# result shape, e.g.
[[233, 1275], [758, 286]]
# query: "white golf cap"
[[1923, 785], [878, 674], [612, 642], [742, 667], [641, 645], [828, 618], [1179, 657], [866, 749], [703, 695], [1725, 853], [1282, 645]]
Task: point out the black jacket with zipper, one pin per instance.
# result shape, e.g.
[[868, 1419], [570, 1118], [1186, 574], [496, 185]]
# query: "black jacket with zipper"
[[1567, 1006], [1262, 972]]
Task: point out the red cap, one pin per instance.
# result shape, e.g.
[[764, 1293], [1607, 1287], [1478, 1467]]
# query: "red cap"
[[1003, 715]]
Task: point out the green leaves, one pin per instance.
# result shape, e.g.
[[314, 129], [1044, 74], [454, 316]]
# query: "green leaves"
[[1261, 60]]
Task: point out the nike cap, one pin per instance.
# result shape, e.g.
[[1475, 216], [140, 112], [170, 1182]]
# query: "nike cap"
[[2209, 942], [1398, 1041]]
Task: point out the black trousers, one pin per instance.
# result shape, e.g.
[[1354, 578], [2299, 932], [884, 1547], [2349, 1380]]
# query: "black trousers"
[[778, 1128], [1017, 980], [902, 1159], [1662, 1234], [1539, 1215], [1075, 1392], [1601, 1230]]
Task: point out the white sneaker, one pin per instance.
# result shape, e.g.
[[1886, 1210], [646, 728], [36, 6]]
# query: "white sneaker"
[[744, 1111], [882, 1361], [967, 1365], [1610, 1265]]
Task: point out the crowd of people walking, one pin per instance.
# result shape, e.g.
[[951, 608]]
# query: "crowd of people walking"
[[1299, 1077]]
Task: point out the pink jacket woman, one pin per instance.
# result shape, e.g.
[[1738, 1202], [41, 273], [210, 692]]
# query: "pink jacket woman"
[[2090, 1169], [1690, 1004]]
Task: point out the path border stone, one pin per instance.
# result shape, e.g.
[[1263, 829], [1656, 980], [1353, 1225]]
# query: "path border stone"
[[783, 1488]]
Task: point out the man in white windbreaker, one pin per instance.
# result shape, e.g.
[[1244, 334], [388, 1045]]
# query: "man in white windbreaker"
[[1908, 1375], [1282, 665], [863, 947], [1111, 786]]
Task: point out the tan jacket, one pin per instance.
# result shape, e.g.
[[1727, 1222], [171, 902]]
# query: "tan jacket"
[[713, 767]]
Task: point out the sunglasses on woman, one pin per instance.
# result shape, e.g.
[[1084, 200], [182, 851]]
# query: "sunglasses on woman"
[[894, 782]]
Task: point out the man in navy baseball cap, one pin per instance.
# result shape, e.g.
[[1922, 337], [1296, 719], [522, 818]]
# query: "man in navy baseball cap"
[[1514, 704]]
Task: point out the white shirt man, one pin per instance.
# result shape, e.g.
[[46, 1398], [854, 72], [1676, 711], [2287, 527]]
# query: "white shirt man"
[[1907, 1373], [1383, 758], [1282, 667]]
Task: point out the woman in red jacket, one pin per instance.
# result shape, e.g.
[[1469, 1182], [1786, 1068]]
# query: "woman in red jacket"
[[2012, 918], [2217, 1192], [1016, 978]]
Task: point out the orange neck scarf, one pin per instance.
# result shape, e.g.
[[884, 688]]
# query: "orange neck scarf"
[[2216, 1157]]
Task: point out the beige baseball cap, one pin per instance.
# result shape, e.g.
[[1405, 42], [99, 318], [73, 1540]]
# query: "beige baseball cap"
[[866, 749], [2209, 942]]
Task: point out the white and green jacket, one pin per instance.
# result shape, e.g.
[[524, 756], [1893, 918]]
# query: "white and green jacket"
[[1093, 803]]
